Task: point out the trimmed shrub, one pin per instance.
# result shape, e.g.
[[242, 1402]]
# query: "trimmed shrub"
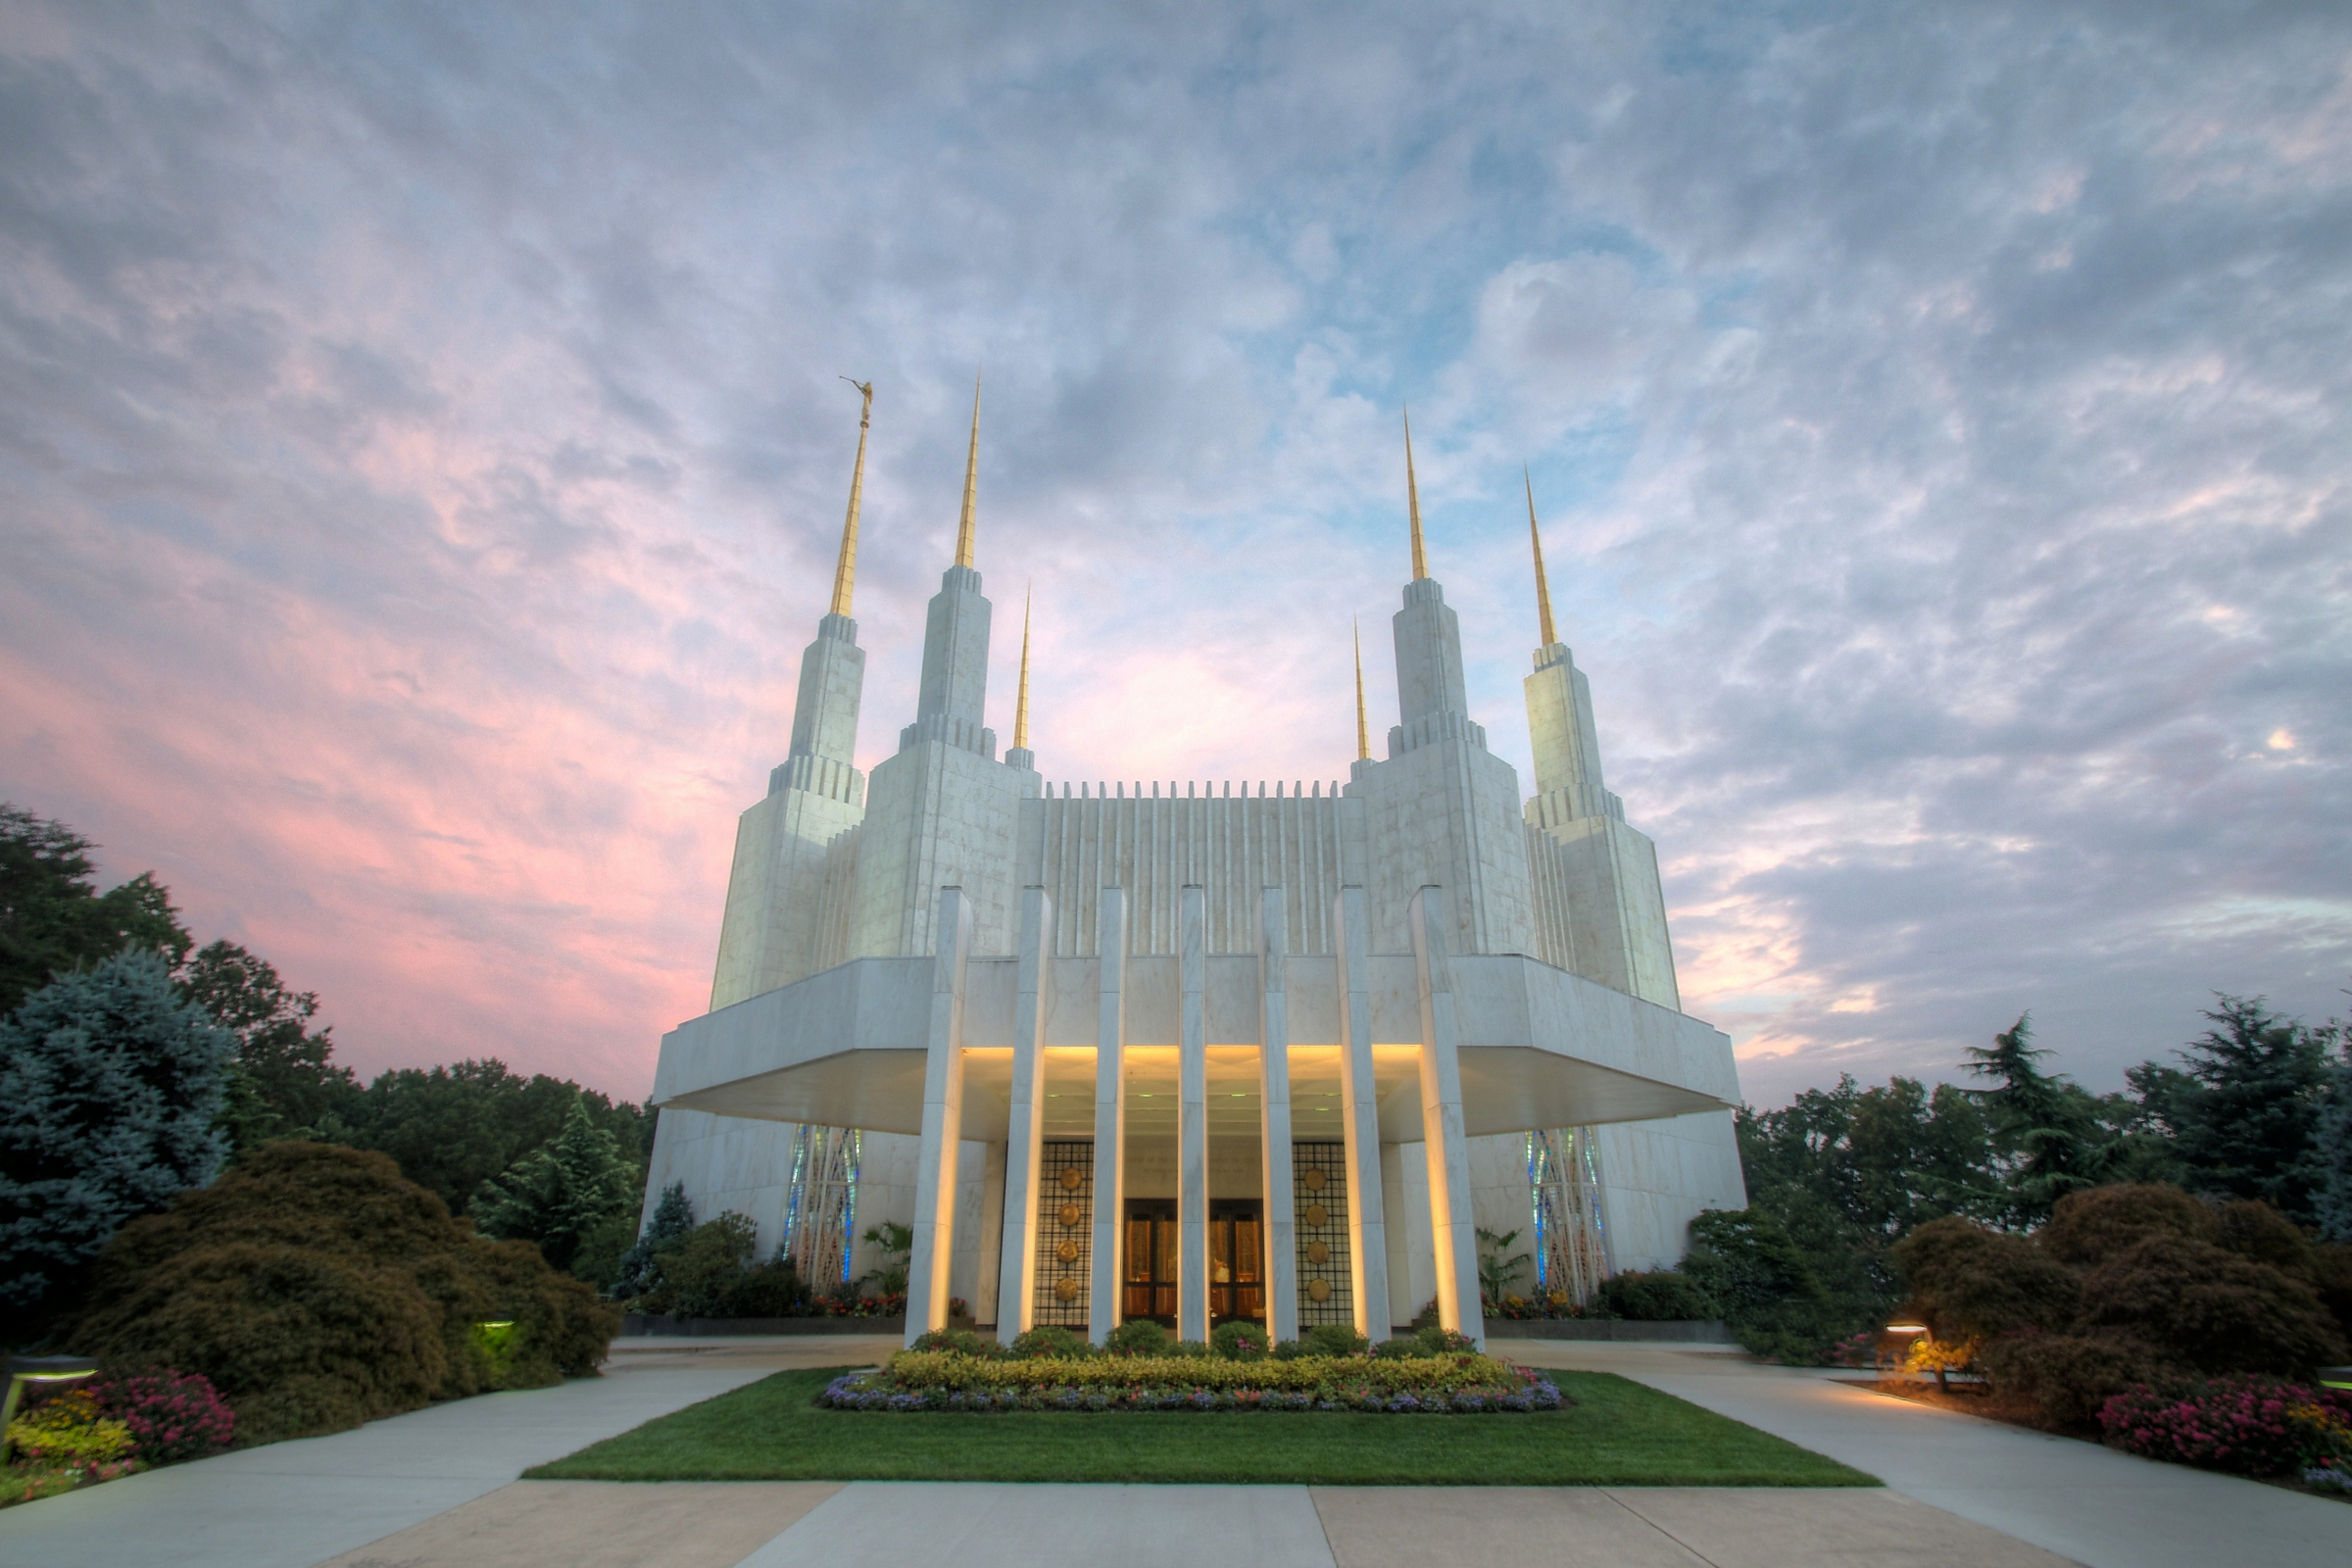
[[963, 1341], [2067, 1377], [1237, 1341], [1973, 1283], [172, 1415], [1138, 1336], [772, 1290], [1658, 1295], [1052, 1340], [691, 1278], [2089, 1227], [2209, 1310], [1188, 1350], [1334, 1338], [315, 1289]]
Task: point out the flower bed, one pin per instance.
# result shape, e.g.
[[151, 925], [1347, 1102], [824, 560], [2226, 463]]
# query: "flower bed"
[[947, 1380], [2248, 1426]]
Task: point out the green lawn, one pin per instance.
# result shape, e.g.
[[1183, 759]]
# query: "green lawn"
[[1618, 1434]]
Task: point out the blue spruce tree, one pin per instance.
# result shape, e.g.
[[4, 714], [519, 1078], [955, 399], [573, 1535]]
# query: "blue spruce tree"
[[111, 1090]]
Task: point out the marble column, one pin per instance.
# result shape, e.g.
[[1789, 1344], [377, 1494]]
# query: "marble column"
[[1110, 1114], [1024, 1136], [1281, 1228], [1359, 1110], [930, 1263], [1191, 1122], [1453, 1233]]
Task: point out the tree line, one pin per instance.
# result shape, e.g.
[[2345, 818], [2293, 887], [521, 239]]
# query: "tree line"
[[135, 1065], [2257, 1108]]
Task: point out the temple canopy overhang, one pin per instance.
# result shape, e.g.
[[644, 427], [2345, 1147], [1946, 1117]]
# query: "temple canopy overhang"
[[1539, 1047]]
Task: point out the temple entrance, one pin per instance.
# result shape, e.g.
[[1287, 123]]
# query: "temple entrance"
[[1236, 1261]]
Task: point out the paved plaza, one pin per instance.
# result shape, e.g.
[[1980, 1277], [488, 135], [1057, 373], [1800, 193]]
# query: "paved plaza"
[[438, 1489]]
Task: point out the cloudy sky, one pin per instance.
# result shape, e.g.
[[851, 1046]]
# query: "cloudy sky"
[[421, 457]]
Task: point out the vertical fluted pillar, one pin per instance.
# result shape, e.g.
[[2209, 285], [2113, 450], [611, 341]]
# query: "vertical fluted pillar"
[[927, 1264], [1453, 1233], [1359, 1106], [1110, 1116], [1281, 1229], [1191, 1122], [1024, 1136]]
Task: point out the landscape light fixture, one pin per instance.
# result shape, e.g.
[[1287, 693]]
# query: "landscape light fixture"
[[23, 1369], [1906, 1328]]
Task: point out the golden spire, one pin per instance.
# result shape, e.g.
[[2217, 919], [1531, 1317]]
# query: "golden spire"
[[845, 570], [1412, 496], [1542, 588], [1363, 730], [1020, 706], [971, 482]]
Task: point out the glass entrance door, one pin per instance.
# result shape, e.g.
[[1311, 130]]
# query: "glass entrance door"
[[1151, 1284], [1236, 1264], [1236, 1261]]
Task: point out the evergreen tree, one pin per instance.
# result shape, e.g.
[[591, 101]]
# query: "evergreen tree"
[[2045, 1127], [53, 919], [283, 1079], [671, 1224], [2246, 1122], [111, 1086], [559, 1193], [2334, 1148]]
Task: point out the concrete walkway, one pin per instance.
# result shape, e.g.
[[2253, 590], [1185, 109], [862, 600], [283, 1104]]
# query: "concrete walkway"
[[293, 1504], [2080, 1500], [437, 1489]]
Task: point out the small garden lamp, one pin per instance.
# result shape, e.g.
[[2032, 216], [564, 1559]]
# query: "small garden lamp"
[[1907, 1330], [23, 1369]]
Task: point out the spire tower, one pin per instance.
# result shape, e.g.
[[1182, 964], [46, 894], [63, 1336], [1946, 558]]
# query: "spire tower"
[[1412, 498], [845, 569], [1364, 726], [1542, 588], [1021, 705], [971, 482]]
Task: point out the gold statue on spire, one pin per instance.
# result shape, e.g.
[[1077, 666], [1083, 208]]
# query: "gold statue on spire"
[[1542, 588], [971, 482], [845, 569], [1020, 706], [1363, 729], [1412, 497]]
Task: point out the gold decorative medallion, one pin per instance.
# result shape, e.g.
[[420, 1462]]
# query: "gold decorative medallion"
[[1068, 1251], [1065, 1290], [1317, 1215], [1317, 1252], [1071, 1180], [1071, 1213], [1315, 1180], [1318, 1290]]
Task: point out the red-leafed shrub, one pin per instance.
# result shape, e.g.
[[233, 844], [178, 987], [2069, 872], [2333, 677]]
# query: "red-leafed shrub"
[[2091, 1226], [2248, 1426], [1975, 1283], [172, 1415], [2195, 1304], [2067, 1377], [317, 1289]]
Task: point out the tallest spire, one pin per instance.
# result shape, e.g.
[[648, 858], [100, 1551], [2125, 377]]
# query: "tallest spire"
[[845, 569], [1412, 497], [971, 482], [1542, 588]]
